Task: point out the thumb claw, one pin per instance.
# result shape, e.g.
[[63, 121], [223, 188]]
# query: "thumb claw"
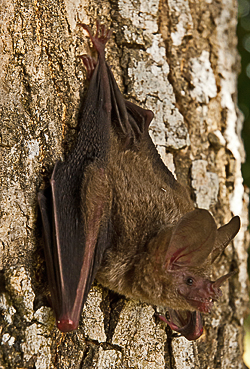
[[86, 27]]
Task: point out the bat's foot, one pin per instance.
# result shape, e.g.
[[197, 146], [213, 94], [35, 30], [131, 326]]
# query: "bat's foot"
[[100, 38], [90, 64]]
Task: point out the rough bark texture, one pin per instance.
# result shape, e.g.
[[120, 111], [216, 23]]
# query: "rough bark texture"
[[175, 57]]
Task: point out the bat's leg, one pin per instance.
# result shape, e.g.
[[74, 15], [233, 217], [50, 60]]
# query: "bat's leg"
[[100, 38], [90, 64], [99, 41]]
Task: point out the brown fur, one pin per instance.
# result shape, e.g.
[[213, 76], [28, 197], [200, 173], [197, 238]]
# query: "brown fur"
[[143, 204], [144, 214]]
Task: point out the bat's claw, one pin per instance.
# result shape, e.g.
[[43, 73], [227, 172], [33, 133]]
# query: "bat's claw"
[[102, 32], [90, 64], [101, 36]]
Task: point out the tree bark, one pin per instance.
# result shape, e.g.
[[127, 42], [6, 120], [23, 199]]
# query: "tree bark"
[[175, 57]]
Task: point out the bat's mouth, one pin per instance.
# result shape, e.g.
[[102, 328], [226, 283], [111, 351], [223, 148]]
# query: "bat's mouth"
[[187, 323], [204, 305]]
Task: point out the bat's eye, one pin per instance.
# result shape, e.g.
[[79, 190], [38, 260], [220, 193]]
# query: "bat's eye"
[[189, 281]]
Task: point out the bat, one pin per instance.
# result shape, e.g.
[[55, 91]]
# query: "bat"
[[115, 212]]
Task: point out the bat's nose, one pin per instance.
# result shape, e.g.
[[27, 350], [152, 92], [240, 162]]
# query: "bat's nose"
[[66, 325]]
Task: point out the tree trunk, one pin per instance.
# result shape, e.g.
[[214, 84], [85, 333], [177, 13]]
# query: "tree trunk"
[[175, 57]]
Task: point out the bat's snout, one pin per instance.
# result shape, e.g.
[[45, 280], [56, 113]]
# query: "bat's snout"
[[66, 325]]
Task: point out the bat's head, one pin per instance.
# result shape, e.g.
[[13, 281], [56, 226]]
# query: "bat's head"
[[194, 244], [194, 294]]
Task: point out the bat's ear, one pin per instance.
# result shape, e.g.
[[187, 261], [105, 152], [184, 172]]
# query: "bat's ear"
[[192, 240], [224, 235]]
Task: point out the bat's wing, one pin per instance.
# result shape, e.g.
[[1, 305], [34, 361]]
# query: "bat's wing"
[[75, 211]]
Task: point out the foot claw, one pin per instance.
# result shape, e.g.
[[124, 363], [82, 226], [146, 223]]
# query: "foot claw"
[[101, 37]]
